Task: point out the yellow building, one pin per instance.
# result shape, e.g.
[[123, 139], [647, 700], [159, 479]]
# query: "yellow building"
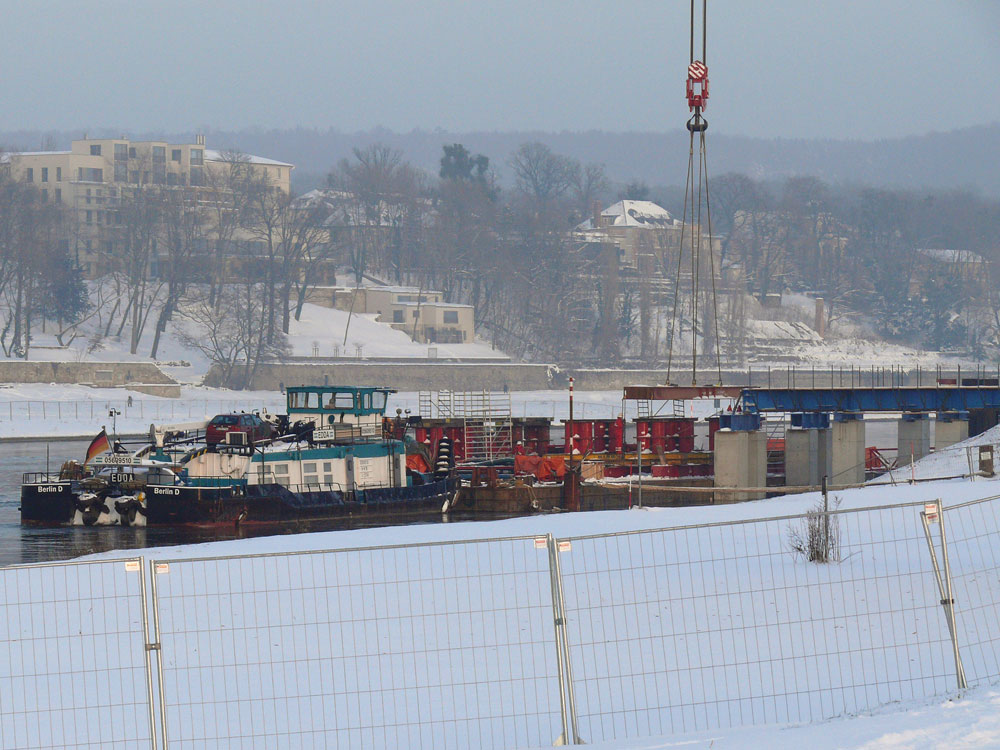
[[420, 313], [89, 179]]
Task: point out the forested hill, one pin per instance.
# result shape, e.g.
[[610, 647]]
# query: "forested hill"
[[964, 158]]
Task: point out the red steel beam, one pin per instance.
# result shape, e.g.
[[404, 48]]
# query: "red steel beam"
[[680, 392]]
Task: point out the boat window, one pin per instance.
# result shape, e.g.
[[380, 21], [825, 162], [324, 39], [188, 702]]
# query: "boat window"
[[280, 474], [309, 468], [343, 400], [312, 400], [378, 400]]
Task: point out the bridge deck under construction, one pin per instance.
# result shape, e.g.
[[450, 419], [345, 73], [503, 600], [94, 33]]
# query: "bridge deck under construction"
[[928, 398]]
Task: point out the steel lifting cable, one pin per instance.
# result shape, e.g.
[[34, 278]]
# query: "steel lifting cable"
[[697, 94], [711, 257], [680, 259]]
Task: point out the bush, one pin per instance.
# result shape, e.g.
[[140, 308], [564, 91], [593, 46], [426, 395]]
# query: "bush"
[[817, 536]]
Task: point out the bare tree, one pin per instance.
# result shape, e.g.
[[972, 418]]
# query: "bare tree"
[[543, 174]]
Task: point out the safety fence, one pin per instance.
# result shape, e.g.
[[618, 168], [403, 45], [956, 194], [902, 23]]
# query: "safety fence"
[[513, 642]]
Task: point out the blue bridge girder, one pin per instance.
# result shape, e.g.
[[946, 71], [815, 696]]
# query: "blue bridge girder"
[[927, 399]]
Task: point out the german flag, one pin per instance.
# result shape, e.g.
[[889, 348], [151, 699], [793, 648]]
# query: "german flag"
[[98, 445]]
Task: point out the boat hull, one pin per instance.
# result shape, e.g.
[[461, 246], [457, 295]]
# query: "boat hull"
[[255, 504]]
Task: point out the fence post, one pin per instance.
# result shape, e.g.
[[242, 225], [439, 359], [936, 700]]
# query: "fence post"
[[933, 512], [149, 647], [570, 691], [567, 696], [559, 623], [153, 572]]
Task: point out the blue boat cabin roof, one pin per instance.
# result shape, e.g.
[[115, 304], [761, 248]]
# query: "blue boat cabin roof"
[[337, 399]]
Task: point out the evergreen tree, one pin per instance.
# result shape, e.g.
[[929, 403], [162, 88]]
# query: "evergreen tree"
[[458, 164]]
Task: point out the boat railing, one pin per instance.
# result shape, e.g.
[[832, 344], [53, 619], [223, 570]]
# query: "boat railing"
[[41, 477], [310, 487]]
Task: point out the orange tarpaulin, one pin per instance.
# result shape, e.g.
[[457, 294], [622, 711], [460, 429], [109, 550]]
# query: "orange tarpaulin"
[[416, 462], [543, 468]]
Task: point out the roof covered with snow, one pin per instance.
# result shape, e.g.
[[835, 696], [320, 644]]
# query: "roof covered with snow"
[[627, 213], [951, 255], [212, 154]]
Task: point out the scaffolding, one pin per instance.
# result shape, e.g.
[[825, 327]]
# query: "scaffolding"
[[485, 416]]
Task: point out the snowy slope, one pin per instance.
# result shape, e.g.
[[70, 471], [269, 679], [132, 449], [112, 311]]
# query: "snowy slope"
[[958, 460], [325, 328]]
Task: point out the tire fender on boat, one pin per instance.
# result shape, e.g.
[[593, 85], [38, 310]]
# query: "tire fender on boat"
[[132, 509], [92, 510]]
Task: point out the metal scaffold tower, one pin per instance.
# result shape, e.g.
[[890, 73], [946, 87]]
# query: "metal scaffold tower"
[[486, 420]]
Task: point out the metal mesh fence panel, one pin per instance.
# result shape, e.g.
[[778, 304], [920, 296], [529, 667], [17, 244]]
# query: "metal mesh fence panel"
[[727, 625], [430, 646], [973, 533], [72, 656]]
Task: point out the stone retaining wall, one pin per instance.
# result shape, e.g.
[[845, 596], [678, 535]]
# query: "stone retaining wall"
[[104, 374]]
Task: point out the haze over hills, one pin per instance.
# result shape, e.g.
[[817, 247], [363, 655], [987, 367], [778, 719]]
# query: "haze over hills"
[[963, 158]]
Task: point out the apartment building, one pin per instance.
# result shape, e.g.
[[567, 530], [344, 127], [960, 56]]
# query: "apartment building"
[[89, 179]]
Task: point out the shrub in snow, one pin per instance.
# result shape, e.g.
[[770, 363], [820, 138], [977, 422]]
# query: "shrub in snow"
[[817, 536]]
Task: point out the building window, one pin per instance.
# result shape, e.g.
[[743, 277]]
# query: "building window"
[[175, 154], [135, 176], [95, 150], [121, 170], [131, 152], [29, 175], [197, 176], [45, 174], [397, 316], [58, 194], [159, 153], [88, 174], [45, 196], [121, 151], [451, 316], [197, 156], [171, 179], [90, 217], [58, 174]]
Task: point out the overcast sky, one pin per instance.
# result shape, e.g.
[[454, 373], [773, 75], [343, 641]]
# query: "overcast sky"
[[857, 69]]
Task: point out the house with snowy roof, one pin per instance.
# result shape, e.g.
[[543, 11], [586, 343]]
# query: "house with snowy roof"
[[972, 268], [644, 232]]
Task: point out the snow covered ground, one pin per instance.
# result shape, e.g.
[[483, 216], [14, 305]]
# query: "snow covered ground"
[[685, 627], [970, 721], [319, 332]]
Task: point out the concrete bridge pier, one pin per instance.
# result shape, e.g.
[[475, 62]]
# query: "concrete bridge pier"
[[914, 437], [950, 427], [848, 448], [740, 457], [808, 449]]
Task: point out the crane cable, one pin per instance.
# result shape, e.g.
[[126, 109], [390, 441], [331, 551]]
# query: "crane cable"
[[697, 95]]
